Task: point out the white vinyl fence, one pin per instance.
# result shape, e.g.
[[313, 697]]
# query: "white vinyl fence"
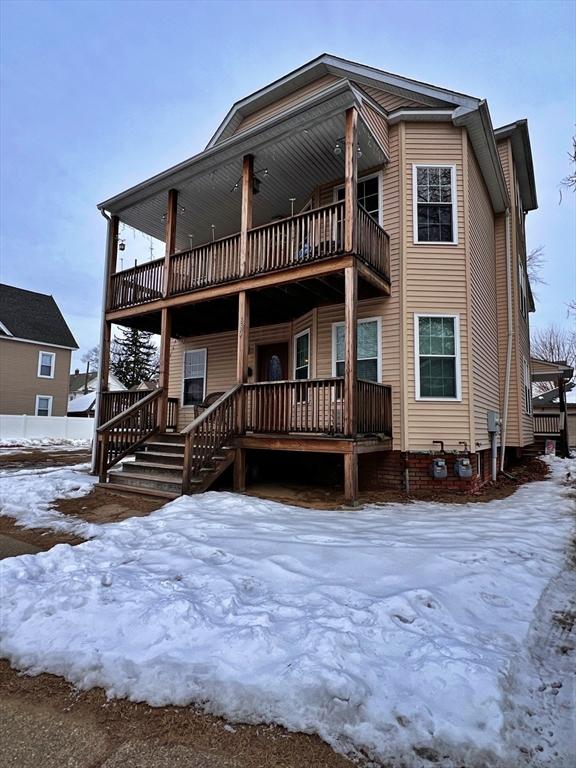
[[46, 427]]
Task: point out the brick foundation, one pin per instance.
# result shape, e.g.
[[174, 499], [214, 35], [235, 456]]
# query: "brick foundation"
[[388, 470]]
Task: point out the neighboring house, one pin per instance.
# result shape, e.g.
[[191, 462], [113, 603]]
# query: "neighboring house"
[[145, 386], [35, 350], [82, 405], [357, 288], [554, 410], [83, 383]]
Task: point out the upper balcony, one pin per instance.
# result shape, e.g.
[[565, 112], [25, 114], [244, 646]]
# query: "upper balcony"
[[313, 237], [254, 202]]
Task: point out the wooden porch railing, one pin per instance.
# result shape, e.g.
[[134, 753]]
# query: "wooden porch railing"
[[120, 435], [136, 285], [307, 406], [373, 243], [290, 242], [114, 403], [374, 408], [305, 237], [207, 434], [209, 264], [547, 424]]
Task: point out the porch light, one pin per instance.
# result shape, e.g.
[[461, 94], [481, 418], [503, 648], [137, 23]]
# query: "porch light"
[[121, 245], [337, 148]]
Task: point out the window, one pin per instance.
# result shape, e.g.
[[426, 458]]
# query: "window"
[[522, 288], [368, 354], [302, 355], [368, 195], [46, 365], [437, 357], [527, 382], [434, 209], [43, 405], [194, 388]]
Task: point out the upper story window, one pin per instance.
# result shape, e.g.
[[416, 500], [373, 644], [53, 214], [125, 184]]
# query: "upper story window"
[[369, 360], [522, 288], [437, 350], [302, 355], [46, 364], [194, 385], [369, 196], [43, 405], [434, 203]]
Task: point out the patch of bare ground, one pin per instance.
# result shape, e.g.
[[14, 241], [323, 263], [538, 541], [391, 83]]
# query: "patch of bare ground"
[[103, 506], [38, 537], [37, 459], [333, 498], [184, 731]]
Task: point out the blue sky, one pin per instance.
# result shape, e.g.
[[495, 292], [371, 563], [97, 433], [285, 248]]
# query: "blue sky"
[[97, 96]]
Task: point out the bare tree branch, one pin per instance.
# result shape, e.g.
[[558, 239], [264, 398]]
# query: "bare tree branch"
[[555, 344], [535, 260]]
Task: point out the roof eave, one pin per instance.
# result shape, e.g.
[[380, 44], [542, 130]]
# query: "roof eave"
[[519, 137]]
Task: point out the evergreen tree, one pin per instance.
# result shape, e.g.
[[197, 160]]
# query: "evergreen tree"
[[134, 357]]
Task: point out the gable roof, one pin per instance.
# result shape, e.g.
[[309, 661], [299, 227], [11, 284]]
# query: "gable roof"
[[30, 316], [519, 137], [78, 380], [327, 64]]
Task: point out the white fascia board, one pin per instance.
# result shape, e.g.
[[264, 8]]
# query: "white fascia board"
[[38, 343]]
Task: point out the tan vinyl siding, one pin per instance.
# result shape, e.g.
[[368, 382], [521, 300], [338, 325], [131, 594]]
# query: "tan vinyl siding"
[[391, 101], [287, 102], [20, 383], [377, 124], [435, 278], [484, 316]]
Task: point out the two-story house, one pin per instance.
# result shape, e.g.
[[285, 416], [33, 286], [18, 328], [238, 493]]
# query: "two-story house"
[[346, 264], [35, 350]]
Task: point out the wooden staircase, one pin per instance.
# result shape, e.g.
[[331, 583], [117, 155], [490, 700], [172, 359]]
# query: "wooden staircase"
[[167, 464]]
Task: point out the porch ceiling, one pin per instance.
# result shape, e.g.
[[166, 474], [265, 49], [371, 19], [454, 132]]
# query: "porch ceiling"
[[297, 152], [268, 306]]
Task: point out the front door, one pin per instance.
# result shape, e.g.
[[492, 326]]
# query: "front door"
[[273, 361]]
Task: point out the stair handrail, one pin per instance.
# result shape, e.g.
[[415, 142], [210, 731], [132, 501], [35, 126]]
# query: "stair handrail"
[[107, 456], [123, 414], [191, 430]]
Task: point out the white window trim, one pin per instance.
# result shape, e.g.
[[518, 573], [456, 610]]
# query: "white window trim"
[[415, 167], [380, 176], [294, 347], [194, 349], [417, 395], [53, 367], [45, 397], [341, 324]]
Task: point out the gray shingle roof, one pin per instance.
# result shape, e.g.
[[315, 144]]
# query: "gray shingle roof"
[[33, 316]]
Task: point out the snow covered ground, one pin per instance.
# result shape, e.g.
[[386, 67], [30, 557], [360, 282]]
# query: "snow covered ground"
[[19, 444], [415, 634]]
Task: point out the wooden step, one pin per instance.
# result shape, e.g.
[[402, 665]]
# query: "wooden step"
[[153, 468], [128, 489], [170, 437], [161, 457], [156, 445], [158, 482]]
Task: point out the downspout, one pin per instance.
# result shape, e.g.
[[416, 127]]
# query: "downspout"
[[509, 343], [102, 340]]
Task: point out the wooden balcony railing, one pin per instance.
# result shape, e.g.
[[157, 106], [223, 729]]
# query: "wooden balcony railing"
[[373, 243], [209, 264], [307, 406], [309, 236], [284, 244], [547, 424], [137, 285], [374, 403]]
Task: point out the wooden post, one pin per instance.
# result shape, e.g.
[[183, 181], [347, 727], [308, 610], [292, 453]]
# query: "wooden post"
[[351, 180], [105, 335], [563, 442], [170, 236], [241, 376], [351, 478], [164, 373], [350, 349], [246, 212]]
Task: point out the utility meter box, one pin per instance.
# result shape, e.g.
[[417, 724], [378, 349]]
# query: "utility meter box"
[[493, 419], [438, 469], [463, 468]]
